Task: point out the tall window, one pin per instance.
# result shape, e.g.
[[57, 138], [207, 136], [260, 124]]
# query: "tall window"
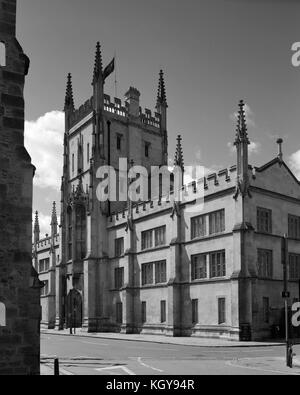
[[70, 235], [163, 311], [160, 236], [119, 313], [199, 267], [217, 264], [217, 222], [198, 225], [45, 289], [44, 265], [88, 153], [144, 312], [294, 266], [147, 241], [73, 164], [119, 247], [222, 310], [294, 227], [147, 149], [195, 317], [160, 272], [119, 142], [264, 220], [265, 263], [80, 232], [2, 54], [266, 310], [2, 314], [147, 274], [119, 277]]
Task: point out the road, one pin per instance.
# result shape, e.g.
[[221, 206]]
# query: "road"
[[94, 356]]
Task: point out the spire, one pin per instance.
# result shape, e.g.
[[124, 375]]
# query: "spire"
[[69, 101], [54, 221], [241, 130], [161, 94], [36, 229], [98, 69], [241, 142], [179, 160]]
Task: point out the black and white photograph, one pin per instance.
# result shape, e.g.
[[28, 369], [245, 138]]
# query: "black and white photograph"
[[149, 190]]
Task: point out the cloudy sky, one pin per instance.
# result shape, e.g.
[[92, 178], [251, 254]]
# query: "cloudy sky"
[[214, 53]]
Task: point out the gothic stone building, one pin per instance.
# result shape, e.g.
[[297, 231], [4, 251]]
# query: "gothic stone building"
[[19, 285], [159, 266]]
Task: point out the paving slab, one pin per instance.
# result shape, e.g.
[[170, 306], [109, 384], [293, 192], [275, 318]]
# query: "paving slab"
[[185, 341]]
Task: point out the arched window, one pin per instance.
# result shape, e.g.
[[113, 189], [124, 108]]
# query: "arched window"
[[2, 314], [81, 232], [70, 234], [2, 54]]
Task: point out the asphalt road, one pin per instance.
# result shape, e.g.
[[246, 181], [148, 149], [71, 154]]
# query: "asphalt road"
[[93, 356]]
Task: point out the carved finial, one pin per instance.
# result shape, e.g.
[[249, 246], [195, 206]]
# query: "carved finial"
[[98, 69], [36, 222], [36, 228], [69, 100], [54, 222], [54, 215], [280, 152], [179, 160], [161, 94], [241, 130]]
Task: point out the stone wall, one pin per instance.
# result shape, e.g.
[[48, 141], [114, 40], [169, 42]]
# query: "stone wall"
[[19, 285]]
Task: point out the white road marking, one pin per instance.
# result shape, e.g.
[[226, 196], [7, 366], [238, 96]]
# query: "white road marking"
[[97, 344], [66, 372], [148, 366], [235, 365], [126, 370]]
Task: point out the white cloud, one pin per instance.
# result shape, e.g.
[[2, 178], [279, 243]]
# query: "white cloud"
[[294, 162], [44, 142], [250, 117], [254, 148]]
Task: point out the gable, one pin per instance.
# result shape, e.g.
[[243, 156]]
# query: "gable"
[[277, 178]]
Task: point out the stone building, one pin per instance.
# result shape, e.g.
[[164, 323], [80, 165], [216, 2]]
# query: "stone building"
[[19, 284], [208, 266], [45, 257]]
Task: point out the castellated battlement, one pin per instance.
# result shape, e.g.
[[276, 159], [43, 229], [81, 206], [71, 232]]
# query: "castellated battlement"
[[117, 108], [149, 119], [45, 243], [82, 112], [208, 185]]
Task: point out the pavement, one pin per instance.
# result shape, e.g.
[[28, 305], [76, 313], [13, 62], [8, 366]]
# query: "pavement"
[[115, 354], [183, 341]]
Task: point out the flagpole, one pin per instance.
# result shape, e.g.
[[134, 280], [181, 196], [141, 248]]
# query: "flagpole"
[[116, 82]]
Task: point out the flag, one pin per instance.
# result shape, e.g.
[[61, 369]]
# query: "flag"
[[109, 69]]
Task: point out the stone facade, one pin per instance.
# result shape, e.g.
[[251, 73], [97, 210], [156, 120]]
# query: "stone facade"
[[208, 266], [45, 254], [19, 285]]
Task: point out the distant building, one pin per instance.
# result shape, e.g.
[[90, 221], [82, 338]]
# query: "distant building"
[[45, 258], [158, 266], [19, 284]]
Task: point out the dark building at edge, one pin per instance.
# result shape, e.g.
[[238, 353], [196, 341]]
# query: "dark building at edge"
[[19, 284]]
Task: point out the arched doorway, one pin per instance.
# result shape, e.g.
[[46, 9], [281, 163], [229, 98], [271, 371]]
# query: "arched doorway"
[[74, 309]]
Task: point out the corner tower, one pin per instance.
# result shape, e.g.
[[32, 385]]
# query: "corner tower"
[[19, 285]]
